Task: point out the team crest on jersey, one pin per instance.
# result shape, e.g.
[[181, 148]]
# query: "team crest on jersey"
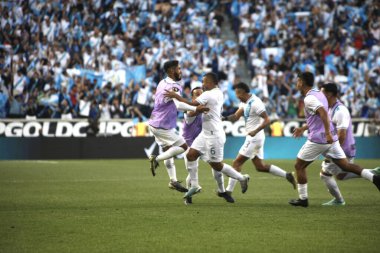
[[175, 89]]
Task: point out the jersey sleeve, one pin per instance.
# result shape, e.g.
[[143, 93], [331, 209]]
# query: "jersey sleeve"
[[203, 98], [241, 105], [312, 103], [258, 107], [341, 117]]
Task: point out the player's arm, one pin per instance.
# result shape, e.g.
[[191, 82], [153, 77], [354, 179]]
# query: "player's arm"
[[263, 125], [234, 117], [342, 133], [192, 114], [184, 105], [326, 123], [179, 99], [342, 119], [299, 131]]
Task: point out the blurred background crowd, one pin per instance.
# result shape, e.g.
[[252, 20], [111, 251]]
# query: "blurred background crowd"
[[103, 59]]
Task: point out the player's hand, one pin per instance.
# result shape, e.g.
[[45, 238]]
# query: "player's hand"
[[171, 94], [329, 138], [202, 108], [297, 133], [252, 133]]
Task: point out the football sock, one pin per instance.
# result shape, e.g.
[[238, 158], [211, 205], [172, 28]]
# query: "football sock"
[[170, 167], [171, 152], [273, 169], [231, 184], [302, 191], [332, 186], [367, 174], [193, 172], [231, 172], [219, 180]]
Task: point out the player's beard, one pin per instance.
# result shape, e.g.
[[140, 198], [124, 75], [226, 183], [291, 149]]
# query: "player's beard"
[[177, 76]]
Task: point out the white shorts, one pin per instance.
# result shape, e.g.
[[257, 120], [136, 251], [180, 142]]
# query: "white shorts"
[[166, 138], [210, 148], [252, 147], [310, 151], [332, 168]]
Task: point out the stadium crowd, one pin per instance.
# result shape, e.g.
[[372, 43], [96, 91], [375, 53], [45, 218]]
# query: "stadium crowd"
[[103, 58]]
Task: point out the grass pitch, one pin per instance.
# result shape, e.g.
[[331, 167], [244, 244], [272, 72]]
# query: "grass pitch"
[[117, 206]]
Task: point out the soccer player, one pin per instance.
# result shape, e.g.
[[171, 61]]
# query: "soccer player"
[[341, 119], [163, 123], [192, 127], [209, 145], [256, 119], [322, 139]]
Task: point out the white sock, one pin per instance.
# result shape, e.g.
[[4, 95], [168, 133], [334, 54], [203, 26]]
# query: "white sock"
[[367, 174], [231, 172], [193, 173], [302, 191], [350, 175], [231, 184], [188, 181], [219, 180], [171, 152], [277, 171], [332, 186], [170, 167]]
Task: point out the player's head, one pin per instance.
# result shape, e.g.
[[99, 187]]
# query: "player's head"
[[242, 91], [173, 70], [196, 92], [331, 92], [210, 81], [305, 80]]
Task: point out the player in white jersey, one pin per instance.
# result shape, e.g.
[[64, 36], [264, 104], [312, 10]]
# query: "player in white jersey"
[[256, 119], [209, 145]]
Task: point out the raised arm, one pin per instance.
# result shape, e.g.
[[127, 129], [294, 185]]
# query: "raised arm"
[[184, 105], [234, 117]]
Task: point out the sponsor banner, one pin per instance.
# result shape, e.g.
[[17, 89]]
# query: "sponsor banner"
[[128, 128]]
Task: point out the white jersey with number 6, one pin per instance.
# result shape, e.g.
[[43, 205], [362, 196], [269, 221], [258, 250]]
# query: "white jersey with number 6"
[[210, 142]]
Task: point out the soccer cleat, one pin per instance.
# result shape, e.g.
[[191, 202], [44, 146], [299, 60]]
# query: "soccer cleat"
[[376, 181], [334, 202], [176, 185], [192, 191], [188, 201], [153, 164], [227, 196], [376, 171], [244, 183], [291, 179], [299, 202]]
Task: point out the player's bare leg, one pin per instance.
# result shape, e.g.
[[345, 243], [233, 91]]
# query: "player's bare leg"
[[274, 170], [300, 168], [354, 168]]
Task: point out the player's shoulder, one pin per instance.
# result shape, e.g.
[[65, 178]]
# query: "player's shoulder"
[[342, 109]]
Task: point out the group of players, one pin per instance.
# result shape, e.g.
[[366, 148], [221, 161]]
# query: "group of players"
[[203, 132]]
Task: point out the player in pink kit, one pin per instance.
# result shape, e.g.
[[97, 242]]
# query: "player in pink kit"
[[163, 123], [322, 139], [340, 117]]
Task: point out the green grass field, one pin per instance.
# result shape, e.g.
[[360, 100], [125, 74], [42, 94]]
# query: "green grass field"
[[117, 206]]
